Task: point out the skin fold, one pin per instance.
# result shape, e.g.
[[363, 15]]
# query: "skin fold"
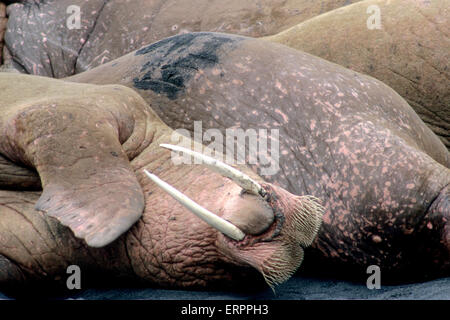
[[89, 144]]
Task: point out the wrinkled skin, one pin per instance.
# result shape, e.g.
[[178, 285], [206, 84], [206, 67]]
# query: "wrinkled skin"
[[111, 28], [89, 145], [410, 52], [344, 137]]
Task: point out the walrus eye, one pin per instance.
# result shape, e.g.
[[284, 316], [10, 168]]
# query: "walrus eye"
[[240, 178], [210, 218]]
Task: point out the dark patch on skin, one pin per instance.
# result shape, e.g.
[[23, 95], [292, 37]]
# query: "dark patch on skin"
[[175, 60]]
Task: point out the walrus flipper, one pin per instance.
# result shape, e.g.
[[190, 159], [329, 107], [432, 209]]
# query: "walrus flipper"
[[98, 196], [88, 184], [75, 145]]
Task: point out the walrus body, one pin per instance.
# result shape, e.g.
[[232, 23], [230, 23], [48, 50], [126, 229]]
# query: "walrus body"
[[403, 43], [344, 137]]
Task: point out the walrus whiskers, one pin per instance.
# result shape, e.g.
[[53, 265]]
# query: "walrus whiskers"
[[240, 178], [210, 218]]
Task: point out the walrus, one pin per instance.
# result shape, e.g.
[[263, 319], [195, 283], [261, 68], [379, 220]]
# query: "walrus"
[[42, 37], [91, 147], [344, 137], [408, 48]]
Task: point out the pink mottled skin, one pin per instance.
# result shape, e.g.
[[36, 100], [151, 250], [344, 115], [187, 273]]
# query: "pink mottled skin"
[[344, 137]]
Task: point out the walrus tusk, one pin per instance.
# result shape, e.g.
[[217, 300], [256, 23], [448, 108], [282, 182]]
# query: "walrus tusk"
[[240, 178], [210, 218]]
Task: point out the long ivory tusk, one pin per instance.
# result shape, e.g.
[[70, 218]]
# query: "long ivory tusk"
[[243, 180], [210, 218]]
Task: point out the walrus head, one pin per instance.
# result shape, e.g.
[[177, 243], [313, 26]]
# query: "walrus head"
[[260, 225]]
